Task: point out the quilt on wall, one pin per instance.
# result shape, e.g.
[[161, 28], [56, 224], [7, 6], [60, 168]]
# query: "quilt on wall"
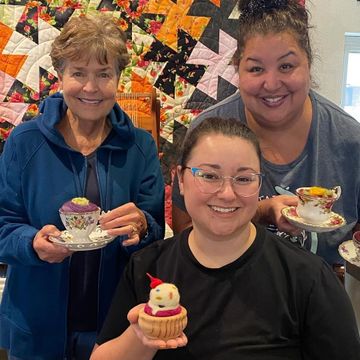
[[183, 48]]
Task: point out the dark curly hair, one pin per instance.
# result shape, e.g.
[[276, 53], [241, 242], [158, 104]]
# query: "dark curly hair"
[[273, 16]]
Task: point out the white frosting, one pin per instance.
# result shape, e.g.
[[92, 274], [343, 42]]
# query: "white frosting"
[[164, 297]]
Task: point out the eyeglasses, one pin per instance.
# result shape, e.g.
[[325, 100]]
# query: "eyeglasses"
[[210, 182]]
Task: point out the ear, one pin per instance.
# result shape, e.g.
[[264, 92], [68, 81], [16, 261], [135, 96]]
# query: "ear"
[[180, 176], [60, 80]]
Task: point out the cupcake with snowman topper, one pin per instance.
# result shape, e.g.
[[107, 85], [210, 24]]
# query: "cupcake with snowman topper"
[[162, 317]]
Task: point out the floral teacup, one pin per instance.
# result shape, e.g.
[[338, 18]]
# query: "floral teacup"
[[356, 241], [80, 225], [315, 203]]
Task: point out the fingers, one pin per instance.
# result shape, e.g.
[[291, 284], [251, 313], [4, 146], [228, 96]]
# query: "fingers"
[[126, 211], [180, 341], [133, 314], [125, 220], [49, 230], [177, 342], [45, 249], [285, 226], [133, 236]]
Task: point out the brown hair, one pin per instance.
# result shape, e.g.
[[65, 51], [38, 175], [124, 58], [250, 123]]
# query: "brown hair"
[[87, 36], [273, 16], [216, 125]]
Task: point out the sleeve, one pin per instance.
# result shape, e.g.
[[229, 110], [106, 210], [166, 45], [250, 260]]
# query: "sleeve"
[[330, 330], [151, 197], [116, 320], [16, 235]]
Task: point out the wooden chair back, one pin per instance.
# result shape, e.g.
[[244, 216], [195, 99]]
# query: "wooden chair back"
[[143, 109]]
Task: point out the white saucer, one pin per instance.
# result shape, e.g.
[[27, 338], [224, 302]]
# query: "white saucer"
[[348, 252], [336, 221], [97, 239]]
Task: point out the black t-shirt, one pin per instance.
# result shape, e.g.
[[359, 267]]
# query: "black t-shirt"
[[276, 301]]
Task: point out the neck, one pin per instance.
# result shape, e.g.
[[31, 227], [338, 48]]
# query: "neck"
[[83, 136], [216, 251]]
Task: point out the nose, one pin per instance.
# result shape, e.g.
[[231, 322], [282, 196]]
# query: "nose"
[[272, 81], [90, 84], [227, 191]]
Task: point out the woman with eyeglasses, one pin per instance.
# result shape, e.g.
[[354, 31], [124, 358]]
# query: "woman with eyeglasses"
[[305, 139], [249, 294]]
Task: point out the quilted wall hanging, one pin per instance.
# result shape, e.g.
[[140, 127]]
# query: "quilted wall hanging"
[[182, 48]]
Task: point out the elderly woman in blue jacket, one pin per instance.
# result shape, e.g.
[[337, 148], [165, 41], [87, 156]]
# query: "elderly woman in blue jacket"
[[81, 145]]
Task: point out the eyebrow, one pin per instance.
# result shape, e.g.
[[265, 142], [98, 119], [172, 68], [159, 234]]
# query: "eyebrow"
[[218, 167], [280, 58], [84, 67]]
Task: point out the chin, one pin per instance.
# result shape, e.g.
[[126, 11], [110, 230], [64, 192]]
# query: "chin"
[[224, 231]]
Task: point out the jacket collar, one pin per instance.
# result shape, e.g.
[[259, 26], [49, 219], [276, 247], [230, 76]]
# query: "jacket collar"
[[53, 109]]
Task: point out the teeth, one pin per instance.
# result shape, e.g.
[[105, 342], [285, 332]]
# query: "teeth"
[[273, 100], [90, 101], [223, 210]]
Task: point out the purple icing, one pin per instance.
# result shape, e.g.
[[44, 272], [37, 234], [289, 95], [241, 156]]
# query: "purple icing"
[[69, 206]]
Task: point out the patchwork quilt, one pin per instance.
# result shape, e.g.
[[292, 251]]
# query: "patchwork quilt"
[[183, 48]]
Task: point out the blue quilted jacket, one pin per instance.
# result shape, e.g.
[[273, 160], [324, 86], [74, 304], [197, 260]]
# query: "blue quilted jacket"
[[38, 173]]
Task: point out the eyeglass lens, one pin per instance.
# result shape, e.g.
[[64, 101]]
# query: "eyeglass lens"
[[210, 183]]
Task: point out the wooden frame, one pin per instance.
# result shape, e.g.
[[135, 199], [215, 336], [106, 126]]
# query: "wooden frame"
[[143, 109]]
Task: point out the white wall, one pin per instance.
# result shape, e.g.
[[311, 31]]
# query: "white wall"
[[331, 19]]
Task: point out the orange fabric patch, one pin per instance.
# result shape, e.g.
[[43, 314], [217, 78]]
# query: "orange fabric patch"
[[140, 84], [216, 2], [175, 19], [9, 64], [5, 34]]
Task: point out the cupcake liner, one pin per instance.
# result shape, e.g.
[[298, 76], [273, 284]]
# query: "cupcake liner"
[[164, 328]]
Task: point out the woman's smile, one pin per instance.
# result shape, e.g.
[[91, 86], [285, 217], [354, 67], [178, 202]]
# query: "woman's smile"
[[223, 210]]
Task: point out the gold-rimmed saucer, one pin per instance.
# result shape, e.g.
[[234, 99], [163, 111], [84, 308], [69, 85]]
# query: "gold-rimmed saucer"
[[347, 251], [97, 239], [335, 221]]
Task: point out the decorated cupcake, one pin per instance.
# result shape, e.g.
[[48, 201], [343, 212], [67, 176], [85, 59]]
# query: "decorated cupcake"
[[79, 217], [163, 317], [78, 205]]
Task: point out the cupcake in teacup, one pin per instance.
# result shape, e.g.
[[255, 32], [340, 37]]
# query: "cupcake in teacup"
[[315, 203], [80, 217]]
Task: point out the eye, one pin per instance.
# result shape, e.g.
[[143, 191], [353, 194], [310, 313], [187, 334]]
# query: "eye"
[[104, 75], [78, 74], [244, 179], [208, 176], [286, 67], [256, 69]]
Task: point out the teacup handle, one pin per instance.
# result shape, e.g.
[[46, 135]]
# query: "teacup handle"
[[337, 191]]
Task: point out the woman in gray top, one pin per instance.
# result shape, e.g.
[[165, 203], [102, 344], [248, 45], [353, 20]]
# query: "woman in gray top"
[[305, 139]]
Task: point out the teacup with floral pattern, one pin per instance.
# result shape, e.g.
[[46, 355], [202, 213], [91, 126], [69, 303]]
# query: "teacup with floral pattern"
[[315, 203], [356, 241], [80, 218]]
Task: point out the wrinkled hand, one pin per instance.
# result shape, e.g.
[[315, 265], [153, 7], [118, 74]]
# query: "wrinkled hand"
[[133, 316], [269, 212], [45, 249], [125, 220]]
